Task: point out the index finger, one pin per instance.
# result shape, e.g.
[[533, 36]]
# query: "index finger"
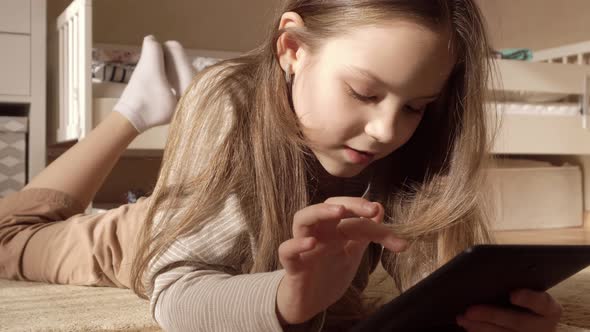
[[361, 229], [305, 220], [358, 207]]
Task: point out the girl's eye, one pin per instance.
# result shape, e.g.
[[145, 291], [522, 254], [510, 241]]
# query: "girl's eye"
[[414, 110], [363, 98], [372, 99]]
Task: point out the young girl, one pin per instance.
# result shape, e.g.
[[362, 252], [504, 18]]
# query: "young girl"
[[355, 134]]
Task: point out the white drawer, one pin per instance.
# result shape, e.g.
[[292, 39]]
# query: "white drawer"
[[15, 16], [15, 64]]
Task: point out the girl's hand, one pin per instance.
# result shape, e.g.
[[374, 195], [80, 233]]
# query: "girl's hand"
[[545, 317], [321, 260]]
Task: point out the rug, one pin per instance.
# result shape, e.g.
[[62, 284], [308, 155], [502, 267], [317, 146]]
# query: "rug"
[[32, 306]]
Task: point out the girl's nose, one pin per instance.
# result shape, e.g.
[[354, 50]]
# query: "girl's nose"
[[381, 126]]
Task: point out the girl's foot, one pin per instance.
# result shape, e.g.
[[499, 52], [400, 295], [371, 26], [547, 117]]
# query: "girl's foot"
[[148, 100]]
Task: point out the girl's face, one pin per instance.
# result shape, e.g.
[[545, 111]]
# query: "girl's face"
[[362, 95]]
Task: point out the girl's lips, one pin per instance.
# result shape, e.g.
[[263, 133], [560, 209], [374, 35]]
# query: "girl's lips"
[[358, 157]]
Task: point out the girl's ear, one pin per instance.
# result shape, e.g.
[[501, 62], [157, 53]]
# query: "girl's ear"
[[289, 50]]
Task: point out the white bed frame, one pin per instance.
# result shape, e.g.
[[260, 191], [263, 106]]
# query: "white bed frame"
[[76, 103]]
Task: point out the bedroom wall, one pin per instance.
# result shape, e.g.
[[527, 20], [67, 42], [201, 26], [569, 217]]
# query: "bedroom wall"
[[231, 25], [238, 25], [536, 24]]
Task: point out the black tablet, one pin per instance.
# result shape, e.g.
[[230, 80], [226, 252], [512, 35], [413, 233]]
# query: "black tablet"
[[482, 274]]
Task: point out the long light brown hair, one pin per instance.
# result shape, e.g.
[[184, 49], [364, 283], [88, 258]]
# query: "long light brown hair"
[[431, 187]]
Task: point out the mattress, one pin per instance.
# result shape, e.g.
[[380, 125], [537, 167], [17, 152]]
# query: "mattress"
[[529, 97], [549, 109]]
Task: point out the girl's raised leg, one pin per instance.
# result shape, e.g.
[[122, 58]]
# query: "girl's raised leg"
[[147, 101]]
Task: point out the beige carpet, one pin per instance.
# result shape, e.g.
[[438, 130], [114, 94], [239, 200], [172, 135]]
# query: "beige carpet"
[[29, 306], [574, 295]]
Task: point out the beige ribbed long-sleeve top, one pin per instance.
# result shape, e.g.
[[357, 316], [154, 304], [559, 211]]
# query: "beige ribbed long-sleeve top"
[[187, 298]]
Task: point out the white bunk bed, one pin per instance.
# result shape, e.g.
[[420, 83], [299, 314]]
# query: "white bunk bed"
[[83, 102], [541, 122], [543, 107]]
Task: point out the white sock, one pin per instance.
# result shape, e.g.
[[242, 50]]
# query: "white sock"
[[148, 101], [179, 70]]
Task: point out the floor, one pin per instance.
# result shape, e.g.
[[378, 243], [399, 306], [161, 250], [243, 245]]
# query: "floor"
[[550, 236]]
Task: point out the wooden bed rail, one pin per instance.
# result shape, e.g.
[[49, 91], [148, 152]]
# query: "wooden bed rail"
[[578, 53]]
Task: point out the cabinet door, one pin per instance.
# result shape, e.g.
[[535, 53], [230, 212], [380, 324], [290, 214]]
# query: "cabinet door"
[[15, 64], [15, 16]]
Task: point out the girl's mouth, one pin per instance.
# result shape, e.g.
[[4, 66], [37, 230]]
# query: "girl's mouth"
[[358, 156]]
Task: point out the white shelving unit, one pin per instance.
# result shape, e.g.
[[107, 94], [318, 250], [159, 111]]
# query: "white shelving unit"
[[23, 35]]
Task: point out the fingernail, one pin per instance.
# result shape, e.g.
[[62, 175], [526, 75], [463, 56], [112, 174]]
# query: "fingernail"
[[370, 207], [336, 208]]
